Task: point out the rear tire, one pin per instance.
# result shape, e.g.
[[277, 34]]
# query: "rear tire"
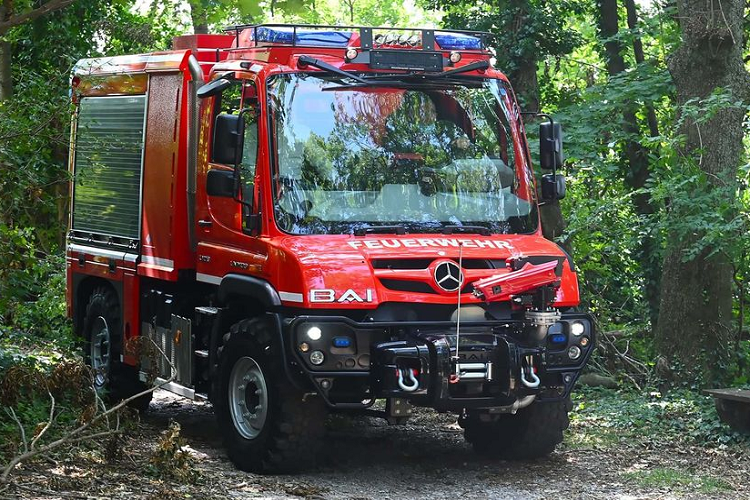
[[103, 347], [268, 425], [533, 432]]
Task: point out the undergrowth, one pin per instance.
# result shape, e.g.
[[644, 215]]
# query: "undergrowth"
[[605, 418]]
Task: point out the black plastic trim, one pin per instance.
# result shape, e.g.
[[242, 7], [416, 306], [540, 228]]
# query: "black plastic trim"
[[571, 263], [239, 284]]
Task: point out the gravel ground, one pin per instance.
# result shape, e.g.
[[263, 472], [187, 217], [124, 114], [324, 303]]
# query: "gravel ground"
[[367, 458]]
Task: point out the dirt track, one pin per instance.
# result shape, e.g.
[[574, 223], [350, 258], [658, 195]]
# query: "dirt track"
[[427, 458]]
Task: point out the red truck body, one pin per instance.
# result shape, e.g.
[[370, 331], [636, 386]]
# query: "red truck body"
[[177, 258]]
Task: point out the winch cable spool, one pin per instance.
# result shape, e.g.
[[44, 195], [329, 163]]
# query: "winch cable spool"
[[456, 374]]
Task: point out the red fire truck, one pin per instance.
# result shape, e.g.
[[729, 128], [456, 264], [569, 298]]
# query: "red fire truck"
[[308, 219]]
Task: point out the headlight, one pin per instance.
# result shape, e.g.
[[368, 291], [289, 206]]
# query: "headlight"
[[577, 328], [314, 333]]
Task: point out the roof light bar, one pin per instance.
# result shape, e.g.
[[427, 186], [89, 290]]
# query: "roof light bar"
[[458, 41], [300, 36], [369, 37]]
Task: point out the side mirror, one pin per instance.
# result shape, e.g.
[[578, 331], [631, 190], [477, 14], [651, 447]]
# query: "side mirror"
[[220, 183], [229, 131], [213, 88], [553, 187], [550, 146]]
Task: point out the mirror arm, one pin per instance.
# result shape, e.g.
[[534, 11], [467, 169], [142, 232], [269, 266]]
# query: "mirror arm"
[[237, 163]]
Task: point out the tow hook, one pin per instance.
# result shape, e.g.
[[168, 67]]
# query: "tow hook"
[[528, 377], [411, 383]]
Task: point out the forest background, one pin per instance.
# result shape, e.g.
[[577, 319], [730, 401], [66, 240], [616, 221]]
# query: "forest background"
[[653, 96]]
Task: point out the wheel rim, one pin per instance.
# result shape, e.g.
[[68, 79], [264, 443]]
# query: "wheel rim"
[[248, 397], [100, 351]]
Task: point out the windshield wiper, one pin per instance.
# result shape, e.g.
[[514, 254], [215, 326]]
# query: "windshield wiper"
[[430, 76], [466, 229], [361, 231], [316, 63], [396, 80], [421, 84], [463, 69]]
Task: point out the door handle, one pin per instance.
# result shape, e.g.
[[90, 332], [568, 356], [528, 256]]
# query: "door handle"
[[205, 223]]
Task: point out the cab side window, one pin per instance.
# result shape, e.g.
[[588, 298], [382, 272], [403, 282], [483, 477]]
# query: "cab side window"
[[232, 101]]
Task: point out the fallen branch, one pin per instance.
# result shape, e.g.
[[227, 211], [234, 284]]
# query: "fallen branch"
[[75, 436], [49, 422], [12, 413]]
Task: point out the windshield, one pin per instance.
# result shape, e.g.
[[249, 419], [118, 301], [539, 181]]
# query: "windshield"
[[426, 158]]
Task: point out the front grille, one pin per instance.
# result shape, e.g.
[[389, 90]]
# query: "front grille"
[[407, 286], [416, 286], [425, 263], [483, 263], [401, 263]]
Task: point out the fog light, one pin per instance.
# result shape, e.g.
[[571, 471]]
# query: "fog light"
[[573, 353], [577, 328], [455, 57], [317, 357], [584, 341], [304, 347], [351, 54], [314, 333]]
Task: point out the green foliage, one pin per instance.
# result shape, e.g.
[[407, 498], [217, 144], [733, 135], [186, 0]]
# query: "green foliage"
[[171, 459], [28, 384], [34, 136], [524, 30], [632, 419], [661, 477]]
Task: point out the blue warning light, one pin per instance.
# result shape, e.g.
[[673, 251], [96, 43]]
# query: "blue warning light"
[[557, 338], [342, 342]]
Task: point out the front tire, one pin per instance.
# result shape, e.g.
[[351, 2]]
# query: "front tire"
[[102, 348], [531, 433], [268, 425]]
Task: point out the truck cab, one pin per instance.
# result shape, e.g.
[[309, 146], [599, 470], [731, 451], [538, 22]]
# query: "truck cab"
[[314, 219]]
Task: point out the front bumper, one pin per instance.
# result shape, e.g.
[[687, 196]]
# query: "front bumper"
[[496, 364]]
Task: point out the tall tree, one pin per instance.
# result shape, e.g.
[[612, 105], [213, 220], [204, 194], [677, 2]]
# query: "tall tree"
[[694, 328], [638, 172], [526, 32], [199, 15], [12, 15]]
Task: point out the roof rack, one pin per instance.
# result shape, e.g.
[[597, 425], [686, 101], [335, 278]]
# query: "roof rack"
[[328, 36]]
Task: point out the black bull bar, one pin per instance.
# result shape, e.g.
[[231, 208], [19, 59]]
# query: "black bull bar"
[[418, 361]]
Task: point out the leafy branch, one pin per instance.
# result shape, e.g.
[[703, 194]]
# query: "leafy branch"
[[80, 433]]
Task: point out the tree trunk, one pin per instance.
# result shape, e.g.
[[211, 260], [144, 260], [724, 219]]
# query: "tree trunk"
[[636, 154], [695, 325], [526, 85], [6, 78], [647, 252], [640, 58], [199, 17]]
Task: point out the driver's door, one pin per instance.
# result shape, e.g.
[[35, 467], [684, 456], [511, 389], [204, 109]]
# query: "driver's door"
[[226, 226]]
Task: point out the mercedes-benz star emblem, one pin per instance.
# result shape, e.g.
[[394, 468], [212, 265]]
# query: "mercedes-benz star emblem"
[[448, 276]]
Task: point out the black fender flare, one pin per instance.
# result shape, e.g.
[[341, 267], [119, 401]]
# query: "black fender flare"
[[240, 285], [249, 286]]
